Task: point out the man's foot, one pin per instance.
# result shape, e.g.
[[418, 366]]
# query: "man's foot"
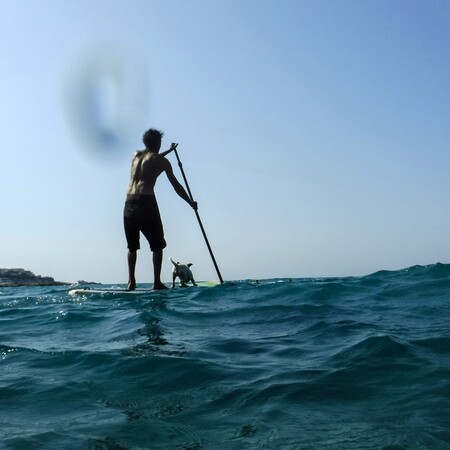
[[131, 285], [159, 286]]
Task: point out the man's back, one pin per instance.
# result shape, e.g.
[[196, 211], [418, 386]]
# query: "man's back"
[[145, 169]]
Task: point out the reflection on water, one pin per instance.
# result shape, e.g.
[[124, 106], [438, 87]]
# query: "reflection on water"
[[152, 330]]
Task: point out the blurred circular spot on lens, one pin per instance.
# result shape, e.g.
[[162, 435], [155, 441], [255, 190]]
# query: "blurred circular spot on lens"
[[107, 100]]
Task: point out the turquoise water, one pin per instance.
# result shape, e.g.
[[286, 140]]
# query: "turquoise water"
[[334, 363]]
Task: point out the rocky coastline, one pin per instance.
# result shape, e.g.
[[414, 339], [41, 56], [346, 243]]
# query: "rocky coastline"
[[22, 277]]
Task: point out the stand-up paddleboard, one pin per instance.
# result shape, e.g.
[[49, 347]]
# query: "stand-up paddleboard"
[[108, 291]]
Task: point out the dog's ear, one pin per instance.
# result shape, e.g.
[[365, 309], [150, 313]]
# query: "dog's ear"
[[189, 265]]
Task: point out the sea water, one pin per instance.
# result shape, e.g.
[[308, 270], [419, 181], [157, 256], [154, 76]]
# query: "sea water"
[[333, 363]]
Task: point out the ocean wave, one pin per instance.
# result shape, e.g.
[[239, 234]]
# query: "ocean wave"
[[339, 363]]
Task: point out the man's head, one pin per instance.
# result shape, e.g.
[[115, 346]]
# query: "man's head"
[[152, 140]]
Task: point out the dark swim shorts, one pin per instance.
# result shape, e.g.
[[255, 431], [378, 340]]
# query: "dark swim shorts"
[[141, 214]]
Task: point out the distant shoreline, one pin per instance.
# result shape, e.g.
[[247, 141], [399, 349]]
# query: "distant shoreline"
[[37, 283], [22, 277]]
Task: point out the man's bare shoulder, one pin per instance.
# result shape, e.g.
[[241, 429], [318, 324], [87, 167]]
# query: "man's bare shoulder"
[[160, 160], [152, 159], [138, 153], [154, 163]]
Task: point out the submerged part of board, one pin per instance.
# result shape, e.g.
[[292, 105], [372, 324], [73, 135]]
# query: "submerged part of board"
[[105, 291]]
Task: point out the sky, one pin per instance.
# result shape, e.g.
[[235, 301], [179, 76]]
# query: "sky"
[[314, 134]]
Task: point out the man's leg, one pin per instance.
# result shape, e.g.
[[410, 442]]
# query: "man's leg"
[[157, 264], [132, 256]]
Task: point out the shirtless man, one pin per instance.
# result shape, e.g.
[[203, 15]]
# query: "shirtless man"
[[141, 213]]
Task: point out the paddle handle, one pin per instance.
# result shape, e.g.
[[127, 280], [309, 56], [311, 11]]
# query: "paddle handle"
[[180, 165]]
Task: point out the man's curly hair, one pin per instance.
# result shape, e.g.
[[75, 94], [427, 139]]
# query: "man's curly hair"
[[152, 139]]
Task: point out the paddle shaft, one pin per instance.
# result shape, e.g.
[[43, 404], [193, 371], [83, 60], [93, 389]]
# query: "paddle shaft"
[[198, 217]]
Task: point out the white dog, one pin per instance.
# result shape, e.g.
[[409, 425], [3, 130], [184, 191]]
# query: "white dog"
[[183, 272]]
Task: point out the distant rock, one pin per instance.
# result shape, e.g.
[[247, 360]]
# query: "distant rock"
[[86, 282], [22, 277]]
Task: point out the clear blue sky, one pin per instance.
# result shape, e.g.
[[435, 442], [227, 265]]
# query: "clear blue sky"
[[315, 134]]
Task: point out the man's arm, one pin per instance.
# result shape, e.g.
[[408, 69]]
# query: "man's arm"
[[171, 149], [179, 189]]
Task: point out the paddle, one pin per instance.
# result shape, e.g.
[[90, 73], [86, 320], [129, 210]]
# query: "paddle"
[[196, 213]]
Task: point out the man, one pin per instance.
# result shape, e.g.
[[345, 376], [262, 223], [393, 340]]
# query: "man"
[[141, 213]]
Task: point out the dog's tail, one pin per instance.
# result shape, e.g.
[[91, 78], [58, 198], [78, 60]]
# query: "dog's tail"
[[173, 262]]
